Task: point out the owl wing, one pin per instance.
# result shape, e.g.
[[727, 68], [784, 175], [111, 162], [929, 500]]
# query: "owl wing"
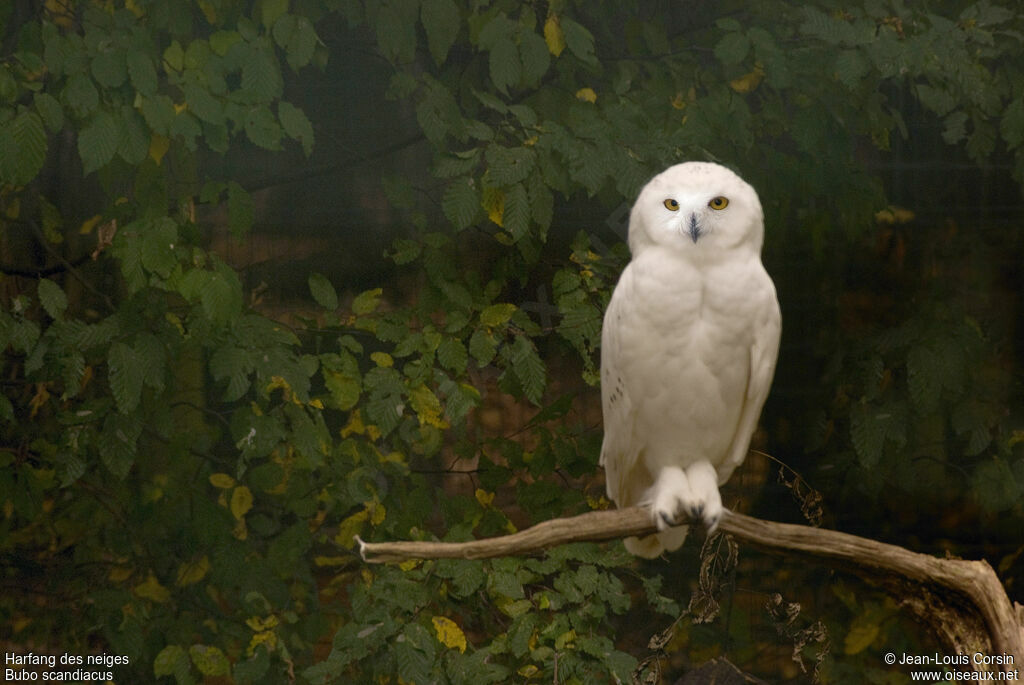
[[763, 354], [621, 445]]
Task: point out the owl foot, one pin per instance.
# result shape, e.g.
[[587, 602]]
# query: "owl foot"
[[679, 496]]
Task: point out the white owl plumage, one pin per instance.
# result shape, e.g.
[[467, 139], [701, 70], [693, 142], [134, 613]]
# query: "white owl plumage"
[[688, 349]]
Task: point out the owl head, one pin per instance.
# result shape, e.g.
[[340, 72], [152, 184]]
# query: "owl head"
[[696, 208]]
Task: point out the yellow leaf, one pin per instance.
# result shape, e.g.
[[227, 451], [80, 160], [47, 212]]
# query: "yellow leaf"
[[39, 399], [133, 8], [267, 638], [179, 108], [493, 201], [377, 512], [258, 624], [483, 497], [152, 589], [191, 572], [748, 82], [13, 208], [553, 35], [158, 147], [89, 224], [587, 95], [350, 527], [382, 359], [20, 624], [209, 11], [118, 574], [528, 671], [240, 531], [409, 565], [60, 13], [355, 425], [862, 634], [241, 501], [427, 407], [222, 481], [894, 215], [678, 101], [543, 602], [531, 141], [278, 382], [330, 561], [317, 403], [449, 633], [566, 640]]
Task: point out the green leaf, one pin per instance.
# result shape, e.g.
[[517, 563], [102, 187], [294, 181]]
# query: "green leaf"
[[271, 11], [517, 211], [441, 23], [241, 210], [109, 69], [323, 291], [296, 35], [461, 203], [261, 75], [296, 125], [118, 442], [125, 374], [579, 40], [202, 104], [994, 486], [50, 110], [1012, 125], [452, 355], [732, 48], [98, 141], [508, 165], [535, 57], [528, 368], [262, 128], [505, 65], [22, 148], [52, 298], [396, 32], [483, 345], [173, 661], [142, 72], [133, 145], [80, 95]]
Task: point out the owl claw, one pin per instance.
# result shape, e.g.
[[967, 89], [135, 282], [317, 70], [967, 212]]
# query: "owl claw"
[[680, 496]]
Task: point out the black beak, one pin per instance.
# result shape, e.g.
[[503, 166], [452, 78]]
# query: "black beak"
[[694, 229]]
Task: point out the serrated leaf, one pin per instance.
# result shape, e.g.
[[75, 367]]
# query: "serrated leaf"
[[506, 166], [125, 374], [461, 203], [483, 346], [209, 660], [528, 368], [497, 314], [396, 32], [366, 302], [452, 355], [449, 633], [732, 48], [98, 141], [517, 211], [152, 589], [52, 298], [505, 66], [322, 291], [172, 661], [261, 75], [142, 72], [427, 407], [296, 125], [191, 572], [50, 111], [535, 58], [579, 40], [80, 94], [441, 23], [22, 148], [297, 36], [262, 128]]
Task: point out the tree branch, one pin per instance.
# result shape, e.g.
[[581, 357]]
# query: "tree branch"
[[961, 601]]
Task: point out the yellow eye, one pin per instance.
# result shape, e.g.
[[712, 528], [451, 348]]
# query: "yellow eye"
[[671, 204], [719, 202]]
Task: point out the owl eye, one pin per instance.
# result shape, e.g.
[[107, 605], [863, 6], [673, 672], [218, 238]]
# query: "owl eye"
[[671, 204], [719, 202]]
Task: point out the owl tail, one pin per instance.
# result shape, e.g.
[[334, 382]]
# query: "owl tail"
[[652, 546]]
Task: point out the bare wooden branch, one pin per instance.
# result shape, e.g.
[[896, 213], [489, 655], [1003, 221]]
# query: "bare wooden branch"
[[962, 601]]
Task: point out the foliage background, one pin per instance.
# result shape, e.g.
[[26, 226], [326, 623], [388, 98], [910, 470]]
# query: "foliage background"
[[192, 434]]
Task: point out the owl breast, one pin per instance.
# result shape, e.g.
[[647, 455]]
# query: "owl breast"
[[684, 356]]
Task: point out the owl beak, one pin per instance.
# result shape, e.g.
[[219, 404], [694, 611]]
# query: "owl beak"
[[694, 231]]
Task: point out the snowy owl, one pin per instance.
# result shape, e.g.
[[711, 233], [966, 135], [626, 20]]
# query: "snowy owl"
[[688, 349]]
